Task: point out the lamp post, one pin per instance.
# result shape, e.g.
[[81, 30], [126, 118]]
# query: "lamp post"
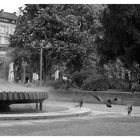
[[24, 64], [41, 54], [42, 46]]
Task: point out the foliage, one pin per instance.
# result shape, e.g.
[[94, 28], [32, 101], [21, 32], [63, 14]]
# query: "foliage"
[[95, 82], [121, 34], [58, 84], [136, 87], [118, 84], [79, 77], [114, 69], [102, 82], [61, 84], [69, 30]]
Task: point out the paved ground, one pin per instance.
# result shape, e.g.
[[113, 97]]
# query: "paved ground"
[[31, 108], [102, 122]]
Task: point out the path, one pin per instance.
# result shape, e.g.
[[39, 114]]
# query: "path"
[[101, 122]]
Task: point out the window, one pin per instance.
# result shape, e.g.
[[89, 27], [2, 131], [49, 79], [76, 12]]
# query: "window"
[[4, 20], [13, 21], [6, 30], [1, 29], [11, 30], [6, 40], [2, 40]]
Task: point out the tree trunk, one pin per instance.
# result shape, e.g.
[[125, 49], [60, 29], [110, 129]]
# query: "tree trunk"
[[44, 68]]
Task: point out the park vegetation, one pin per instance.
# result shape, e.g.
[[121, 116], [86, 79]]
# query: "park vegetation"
[[80, 40]]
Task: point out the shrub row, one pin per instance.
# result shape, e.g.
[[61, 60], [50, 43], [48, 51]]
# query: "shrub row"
[[95, 81]]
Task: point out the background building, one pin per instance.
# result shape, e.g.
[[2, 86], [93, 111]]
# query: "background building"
[[7, 28]]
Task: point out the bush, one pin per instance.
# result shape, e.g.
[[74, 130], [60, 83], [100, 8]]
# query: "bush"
[[79, 77], [101, 82], [136, 87], [88, 80], [61, 84], [58, 84], [118, 84], [96, 82]]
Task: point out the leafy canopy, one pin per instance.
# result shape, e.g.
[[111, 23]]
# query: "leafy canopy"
[[70, 29], [121, 37]]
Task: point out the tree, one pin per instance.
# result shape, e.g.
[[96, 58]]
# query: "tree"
[[70, 29], [121, 34]]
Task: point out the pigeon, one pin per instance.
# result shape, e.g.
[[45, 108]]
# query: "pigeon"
[[81, 103], [107, 102], [129, 109]]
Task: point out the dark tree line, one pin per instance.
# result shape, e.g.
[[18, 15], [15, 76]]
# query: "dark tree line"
[[121, 34]]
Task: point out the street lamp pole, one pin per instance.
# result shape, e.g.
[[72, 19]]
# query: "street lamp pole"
[[24, 64], [41, 58], [41, 52], [24, 74]]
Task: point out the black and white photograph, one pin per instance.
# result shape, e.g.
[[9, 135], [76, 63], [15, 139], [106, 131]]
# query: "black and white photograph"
[[69, 69]]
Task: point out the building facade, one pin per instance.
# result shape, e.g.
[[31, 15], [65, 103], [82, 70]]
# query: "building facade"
[[7, 28]]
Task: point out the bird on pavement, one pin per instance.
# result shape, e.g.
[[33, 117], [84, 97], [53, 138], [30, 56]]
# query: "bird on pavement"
[[129, 109], [107, 102], [80, 104]]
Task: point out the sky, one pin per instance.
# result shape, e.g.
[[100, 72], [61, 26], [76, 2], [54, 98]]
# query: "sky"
[[13, 5]]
